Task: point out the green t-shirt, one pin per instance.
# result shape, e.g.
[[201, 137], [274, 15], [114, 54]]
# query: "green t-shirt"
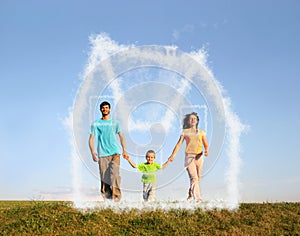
[[149, 175]]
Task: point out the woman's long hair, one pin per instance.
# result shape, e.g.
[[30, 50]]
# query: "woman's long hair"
[[186, 120]]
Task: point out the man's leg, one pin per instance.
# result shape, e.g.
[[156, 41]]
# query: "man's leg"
[[115, 177], [105, 178]]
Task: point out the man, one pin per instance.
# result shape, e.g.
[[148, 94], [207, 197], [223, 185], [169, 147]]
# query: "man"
[[103, 131]]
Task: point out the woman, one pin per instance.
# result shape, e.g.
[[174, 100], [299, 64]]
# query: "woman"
[[195, 140]]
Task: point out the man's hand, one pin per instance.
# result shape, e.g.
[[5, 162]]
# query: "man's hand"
[[95, 156], [125, 156]]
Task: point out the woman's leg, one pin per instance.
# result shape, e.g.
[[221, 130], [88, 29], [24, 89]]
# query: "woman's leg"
[[199, 167], [194, 191]]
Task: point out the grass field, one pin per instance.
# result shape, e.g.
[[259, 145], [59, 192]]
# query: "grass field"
[[60, 218]]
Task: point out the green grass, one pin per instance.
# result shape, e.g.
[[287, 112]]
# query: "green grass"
[[60, 218]]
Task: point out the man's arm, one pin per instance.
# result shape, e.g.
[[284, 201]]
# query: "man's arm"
[[92, 148], [123, 144]]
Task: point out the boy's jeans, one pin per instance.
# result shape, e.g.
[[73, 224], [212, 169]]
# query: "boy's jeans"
[[149, 191]]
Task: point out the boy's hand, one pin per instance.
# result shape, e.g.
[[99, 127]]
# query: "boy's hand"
[[126, 157]]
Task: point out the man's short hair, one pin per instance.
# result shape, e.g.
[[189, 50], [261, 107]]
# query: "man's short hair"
[[104, 104]]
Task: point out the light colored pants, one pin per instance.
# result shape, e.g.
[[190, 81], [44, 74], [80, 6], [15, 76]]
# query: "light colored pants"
[[149, 191], [194, 164], [109, 167]]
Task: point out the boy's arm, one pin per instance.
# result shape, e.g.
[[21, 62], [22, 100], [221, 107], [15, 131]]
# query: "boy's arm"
[[130, 161]]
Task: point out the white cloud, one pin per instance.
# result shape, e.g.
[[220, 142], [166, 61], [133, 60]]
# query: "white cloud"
[[185, 29]]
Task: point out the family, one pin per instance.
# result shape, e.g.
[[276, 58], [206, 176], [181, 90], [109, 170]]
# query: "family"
[[107, 154]]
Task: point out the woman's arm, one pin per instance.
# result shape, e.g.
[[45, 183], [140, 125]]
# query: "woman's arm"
[[165, 164], [176, 148], [205, 144]]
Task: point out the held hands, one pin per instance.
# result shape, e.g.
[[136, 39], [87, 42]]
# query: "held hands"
[[125, 156]]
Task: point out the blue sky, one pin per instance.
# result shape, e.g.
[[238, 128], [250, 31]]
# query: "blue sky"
[[253, 50]]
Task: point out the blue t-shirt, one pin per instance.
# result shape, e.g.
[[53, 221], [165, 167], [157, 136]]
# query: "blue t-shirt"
[[105, 132]]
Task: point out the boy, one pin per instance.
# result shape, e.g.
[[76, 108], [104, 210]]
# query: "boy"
[[149, 177]]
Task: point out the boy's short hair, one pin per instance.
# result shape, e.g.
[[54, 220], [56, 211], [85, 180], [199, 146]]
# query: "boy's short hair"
[[150, 151], [104, 104]]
